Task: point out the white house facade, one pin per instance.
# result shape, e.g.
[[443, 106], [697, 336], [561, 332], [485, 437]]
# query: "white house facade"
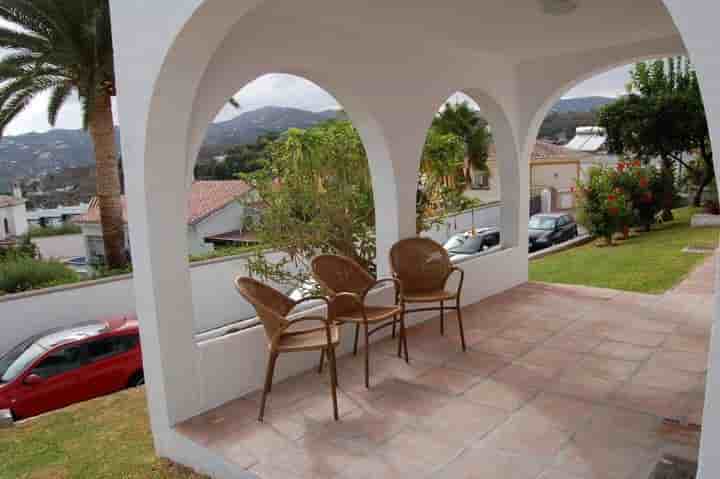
[[214, 208], [390, 64], [13, 215]]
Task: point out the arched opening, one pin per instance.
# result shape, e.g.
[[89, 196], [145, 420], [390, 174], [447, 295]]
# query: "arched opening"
[[664, 267], [459, 195], [300, 183]]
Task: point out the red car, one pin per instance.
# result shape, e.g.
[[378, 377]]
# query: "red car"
[[64, 366]]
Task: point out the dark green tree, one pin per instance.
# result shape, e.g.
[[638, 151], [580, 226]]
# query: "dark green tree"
[[463, 121], [663, 117]]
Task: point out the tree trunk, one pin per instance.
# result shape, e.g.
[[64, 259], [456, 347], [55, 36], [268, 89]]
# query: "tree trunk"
[[102, 131], [697, 199], [668, 180]]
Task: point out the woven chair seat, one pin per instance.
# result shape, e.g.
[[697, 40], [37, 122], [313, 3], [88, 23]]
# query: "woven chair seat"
[[429, 296], [309, 340], [374, 314]]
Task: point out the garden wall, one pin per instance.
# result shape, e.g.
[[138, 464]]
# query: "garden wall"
[[214, 298]]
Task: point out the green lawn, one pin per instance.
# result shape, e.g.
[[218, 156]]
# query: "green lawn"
[[104, 438], [649, 263]]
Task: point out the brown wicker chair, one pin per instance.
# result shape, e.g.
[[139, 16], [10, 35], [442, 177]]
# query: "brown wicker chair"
[[348, 285], [424, 267], [273, 308]]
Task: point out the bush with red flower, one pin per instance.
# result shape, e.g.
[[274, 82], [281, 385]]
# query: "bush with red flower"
[[603, 206]]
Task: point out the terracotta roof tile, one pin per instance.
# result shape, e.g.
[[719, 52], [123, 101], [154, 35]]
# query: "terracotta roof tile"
[[206, 197], [544, 150]]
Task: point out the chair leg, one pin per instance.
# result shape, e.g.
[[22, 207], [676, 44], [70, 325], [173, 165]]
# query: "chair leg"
[[322, 360], [400, 344], [403, 334], [333, 381], [460, 324], [357, 335], [268, 383], [393, 331], [442, 318], [367, 356]]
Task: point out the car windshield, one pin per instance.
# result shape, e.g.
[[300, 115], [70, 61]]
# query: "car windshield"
[[455, 242], [471, 245], [15, 361], [542, 223]]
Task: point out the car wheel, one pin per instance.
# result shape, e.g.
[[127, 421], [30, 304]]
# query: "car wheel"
[[137, 380]]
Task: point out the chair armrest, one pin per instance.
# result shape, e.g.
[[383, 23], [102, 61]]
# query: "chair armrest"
[[327, 321], [396, 282], [308, 299], [453, 270]]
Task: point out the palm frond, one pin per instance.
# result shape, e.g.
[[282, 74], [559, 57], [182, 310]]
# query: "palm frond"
[[59, 96]]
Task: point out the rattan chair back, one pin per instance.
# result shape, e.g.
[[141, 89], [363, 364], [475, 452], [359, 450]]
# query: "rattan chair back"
[[420, 264], [271, 305]]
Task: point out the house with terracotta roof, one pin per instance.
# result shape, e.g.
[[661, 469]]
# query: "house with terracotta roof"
[[218, 212], [13, 216], [552, 167]]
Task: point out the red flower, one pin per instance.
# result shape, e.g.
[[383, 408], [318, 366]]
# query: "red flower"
[[636, 163], [614, 211], [644, 182], [611, 197]]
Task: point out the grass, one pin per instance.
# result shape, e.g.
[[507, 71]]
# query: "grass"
[[23, 274], [100, 439], [47, 231], [649, 263]]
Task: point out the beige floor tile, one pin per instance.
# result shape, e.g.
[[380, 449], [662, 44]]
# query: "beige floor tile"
[[505, 348], [603, 368], [462, 422], [477, 363], [573, 342], [417, 448], [625, 351], [526, 334], [555, 360], [636, 336], [490, 464], [665, 378], [681, 360], [527, 435], [447, 380], [500, 395], [687, 342], [658, 402]]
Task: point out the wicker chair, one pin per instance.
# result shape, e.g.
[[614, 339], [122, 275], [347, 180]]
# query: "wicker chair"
[[348, 285], [273, 308], [423, 267]]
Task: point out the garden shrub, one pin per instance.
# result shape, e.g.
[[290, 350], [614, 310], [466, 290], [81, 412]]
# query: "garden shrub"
[[23, 274]]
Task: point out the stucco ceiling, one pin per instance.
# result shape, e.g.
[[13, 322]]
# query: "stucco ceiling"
[[514, 28]]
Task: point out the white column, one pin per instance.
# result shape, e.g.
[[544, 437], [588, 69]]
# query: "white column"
[[394, 163], [697, 22]]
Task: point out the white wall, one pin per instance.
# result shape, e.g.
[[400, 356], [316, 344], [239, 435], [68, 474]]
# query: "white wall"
[[16, 218]]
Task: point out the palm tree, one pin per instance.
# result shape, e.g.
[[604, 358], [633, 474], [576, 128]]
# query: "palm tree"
[[65, 48]]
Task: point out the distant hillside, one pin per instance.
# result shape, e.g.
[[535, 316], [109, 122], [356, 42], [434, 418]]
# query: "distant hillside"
[[39, 154], [582, 104]]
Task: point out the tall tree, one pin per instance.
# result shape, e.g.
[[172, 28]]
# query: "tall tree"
[[65, 48], [466, 123], [663, 116]]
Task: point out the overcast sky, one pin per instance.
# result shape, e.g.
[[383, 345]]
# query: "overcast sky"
[[281, 90]]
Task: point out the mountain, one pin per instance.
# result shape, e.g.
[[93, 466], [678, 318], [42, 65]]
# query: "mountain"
[[42, 154], [581, 104], [247, 127]]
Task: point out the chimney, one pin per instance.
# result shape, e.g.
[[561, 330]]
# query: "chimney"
[[16, 191]]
